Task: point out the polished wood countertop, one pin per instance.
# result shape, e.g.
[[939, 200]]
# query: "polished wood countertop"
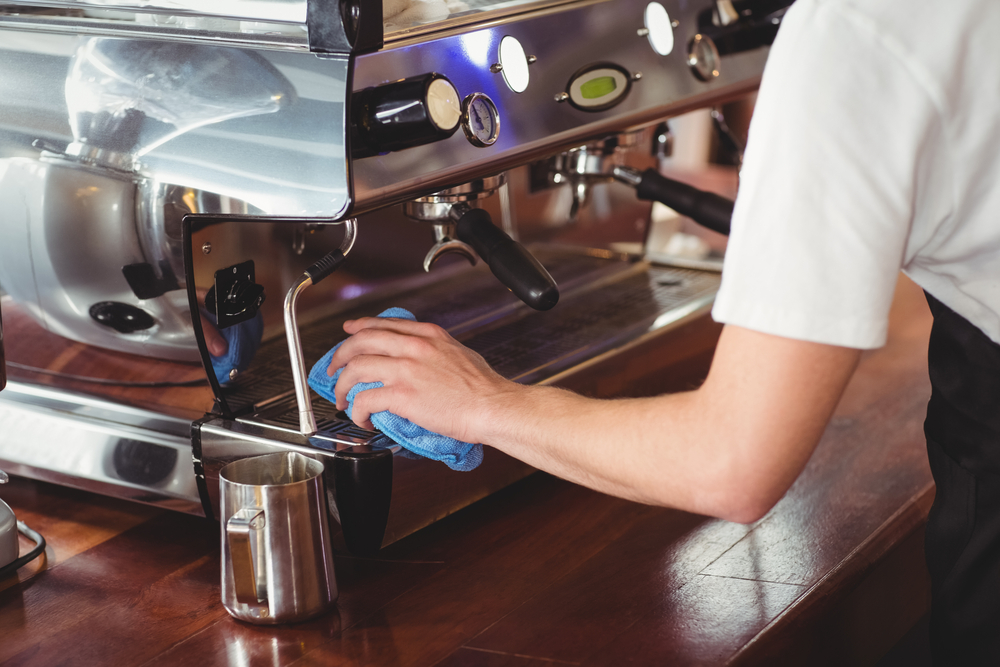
[[542, 573]]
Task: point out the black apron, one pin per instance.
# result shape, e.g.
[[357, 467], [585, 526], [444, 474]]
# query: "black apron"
[[963, 529]]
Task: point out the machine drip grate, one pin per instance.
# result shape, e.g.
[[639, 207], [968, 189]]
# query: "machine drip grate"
[[594, 316]]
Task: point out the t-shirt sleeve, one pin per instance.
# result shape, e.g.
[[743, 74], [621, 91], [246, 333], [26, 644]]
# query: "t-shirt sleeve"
[[827, 188]]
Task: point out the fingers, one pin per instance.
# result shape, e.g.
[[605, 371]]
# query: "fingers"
[[217, 345], [367, 369], [407, 327], [419, 366], [391, 338], [214, 341], [387, 324], [368, 402]]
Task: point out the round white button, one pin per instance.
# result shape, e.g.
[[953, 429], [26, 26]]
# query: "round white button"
[[514, 64], [443, 104], [660, 31]]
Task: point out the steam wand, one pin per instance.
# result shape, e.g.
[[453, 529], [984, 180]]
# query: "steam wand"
[[315, 273]]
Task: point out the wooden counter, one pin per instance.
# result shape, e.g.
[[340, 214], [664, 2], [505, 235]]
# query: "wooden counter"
[[541, 573]]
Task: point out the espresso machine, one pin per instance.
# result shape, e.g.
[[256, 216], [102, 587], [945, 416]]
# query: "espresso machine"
[[213, 188]]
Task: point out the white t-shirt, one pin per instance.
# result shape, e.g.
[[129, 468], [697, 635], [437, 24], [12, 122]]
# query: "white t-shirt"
[[874, 146]]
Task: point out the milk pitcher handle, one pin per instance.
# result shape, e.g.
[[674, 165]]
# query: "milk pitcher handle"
[[244, 573]]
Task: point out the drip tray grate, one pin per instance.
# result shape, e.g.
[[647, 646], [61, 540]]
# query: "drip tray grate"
[[592, 318]]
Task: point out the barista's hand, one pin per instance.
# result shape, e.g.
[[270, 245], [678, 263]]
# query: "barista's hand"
[[216, 344], [428, 377]]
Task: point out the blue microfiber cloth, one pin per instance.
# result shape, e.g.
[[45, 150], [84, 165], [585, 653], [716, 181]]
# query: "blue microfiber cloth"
[[456, 454], [244, 341]]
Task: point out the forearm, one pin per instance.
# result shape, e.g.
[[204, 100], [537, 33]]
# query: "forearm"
[[620, 447], [728, 449], [656, 451]]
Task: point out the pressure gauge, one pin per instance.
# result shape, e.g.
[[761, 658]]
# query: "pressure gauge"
[[480, 120], [703, 57]]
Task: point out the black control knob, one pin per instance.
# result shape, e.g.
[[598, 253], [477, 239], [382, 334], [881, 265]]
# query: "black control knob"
[[235, 297], [403, 114], [122, 317]]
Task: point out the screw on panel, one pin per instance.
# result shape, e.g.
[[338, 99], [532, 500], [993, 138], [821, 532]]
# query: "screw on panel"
[[206, 247]]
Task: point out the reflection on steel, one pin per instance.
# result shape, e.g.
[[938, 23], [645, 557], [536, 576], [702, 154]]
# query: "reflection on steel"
[[126, 97], [57, 436], [154, 130], [284, 11]]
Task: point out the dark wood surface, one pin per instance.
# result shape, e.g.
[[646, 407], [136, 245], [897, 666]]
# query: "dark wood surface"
[[541, 573]]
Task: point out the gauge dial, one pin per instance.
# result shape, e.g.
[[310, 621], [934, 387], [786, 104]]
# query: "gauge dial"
[[703, 57], [480, 120]]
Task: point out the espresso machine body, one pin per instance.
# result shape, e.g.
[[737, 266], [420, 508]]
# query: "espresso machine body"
[[169, 174]]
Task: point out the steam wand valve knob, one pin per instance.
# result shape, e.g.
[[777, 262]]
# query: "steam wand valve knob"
[[315, 273], [706, 208], [509, 261]]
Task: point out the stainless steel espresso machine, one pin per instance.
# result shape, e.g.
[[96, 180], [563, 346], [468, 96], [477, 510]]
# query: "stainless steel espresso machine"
[[224, 183]]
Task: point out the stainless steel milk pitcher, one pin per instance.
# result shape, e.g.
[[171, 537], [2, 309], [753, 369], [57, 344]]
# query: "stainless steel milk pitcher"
[[277, 564]]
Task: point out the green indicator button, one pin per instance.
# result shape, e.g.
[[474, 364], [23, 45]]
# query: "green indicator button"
[[597, 87]]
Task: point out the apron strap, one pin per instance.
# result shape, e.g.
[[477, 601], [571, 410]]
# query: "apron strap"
[[963, 528]]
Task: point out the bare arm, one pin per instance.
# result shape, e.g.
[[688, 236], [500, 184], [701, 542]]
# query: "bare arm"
[[729, 449]]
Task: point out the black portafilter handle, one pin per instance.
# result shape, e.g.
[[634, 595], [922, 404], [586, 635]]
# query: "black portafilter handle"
[[509, 261], [706, 208]]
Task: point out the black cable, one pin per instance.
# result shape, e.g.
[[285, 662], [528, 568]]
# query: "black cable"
[[105, 381], [39, 541]]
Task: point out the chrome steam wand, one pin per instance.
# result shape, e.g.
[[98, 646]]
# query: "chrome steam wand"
[[315, 273]]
